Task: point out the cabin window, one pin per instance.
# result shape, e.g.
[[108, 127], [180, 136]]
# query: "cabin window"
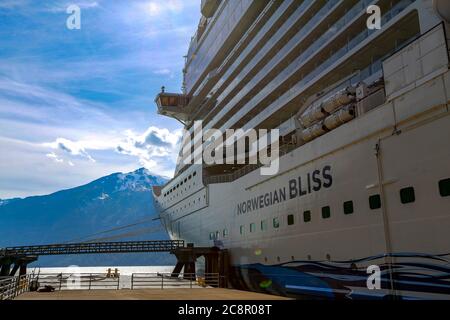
[[211, 236], [326, 212], [375, 202], [348, 207], [307, 216], [252, 227], [195, 173], [264, 225], [225, 233], [407, 195], [444, 187], [290, 219], [276, 223], [217, 234], [241, 230]]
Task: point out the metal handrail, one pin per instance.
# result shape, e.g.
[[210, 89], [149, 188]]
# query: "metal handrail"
[[79, 281], [12, 287], [99, 247], [169, 281]]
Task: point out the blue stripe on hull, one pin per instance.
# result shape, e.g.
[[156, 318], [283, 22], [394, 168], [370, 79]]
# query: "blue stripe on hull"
[[335, 280]]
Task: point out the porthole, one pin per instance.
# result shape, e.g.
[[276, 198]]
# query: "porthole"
[[407, 195], [264, 225], [276, 223], [444, 188], [348, 207], [307, 216], [290, 219], [326, 212], [375, 202]]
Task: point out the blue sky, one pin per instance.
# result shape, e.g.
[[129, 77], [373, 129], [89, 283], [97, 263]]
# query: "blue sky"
[[79, 104]]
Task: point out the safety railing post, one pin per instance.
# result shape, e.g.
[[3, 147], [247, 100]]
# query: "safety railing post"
[[162, 281], [132, 279], [90, 280], [16, 287]]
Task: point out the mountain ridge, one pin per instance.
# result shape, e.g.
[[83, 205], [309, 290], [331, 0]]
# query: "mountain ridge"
[[115, 200]]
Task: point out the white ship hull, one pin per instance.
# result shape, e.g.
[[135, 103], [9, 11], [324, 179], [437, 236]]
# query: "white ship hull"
[[371, 192], [418, 232]]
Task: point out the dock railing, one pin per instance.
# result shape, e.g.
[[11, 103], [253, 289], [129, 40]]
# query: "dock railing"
[[11, 287], [167, 281], [80, 281]]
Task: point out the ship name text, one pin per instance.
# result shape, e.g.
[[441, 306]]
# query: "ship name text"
[[299, 187]]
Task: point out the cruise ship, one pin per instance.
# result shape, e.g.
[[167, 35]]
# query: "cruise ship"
[[361, 105]]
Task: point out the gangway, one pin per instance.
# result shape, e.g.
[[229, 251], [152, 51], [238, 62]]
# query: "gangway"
[[98, 247], [20, 257], [15, 259]]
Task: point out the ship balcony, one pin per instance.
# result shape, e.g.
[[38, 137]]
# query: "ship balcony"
[[173, 105], [209, 7]]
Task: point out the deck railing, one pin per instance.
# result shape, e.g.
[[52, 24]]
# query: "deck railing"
[[80, 281], [11, 287], [167, 281]]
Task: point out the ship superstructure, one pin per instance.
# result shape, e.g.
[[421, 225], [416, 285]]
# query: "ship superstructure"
[[363, 117]]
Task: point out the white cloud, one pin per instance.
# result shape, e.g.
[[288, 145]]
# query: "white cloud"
[[11, 4], [163, 72], [156, 8], [62, 7], [156, 148], [71, 147], [54, 157]]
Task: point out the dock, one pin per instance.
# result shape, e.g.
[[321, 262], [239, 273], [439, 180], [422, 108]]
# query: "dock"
[[150, 294]]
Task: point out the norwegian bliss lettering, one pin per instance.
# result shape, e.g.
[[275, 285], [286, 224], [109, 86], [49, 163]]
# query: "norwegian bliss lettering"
[[262, 201], [299, 187]]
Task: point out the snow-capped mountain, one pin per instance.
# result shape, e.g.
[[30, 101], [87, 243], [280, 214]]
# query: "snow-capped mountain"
[[140, 180], [84, 213]]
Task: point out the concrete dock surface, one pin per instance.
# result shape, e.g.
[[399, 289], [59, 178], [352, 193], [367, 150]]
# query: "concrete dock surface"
[[150, 294]]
